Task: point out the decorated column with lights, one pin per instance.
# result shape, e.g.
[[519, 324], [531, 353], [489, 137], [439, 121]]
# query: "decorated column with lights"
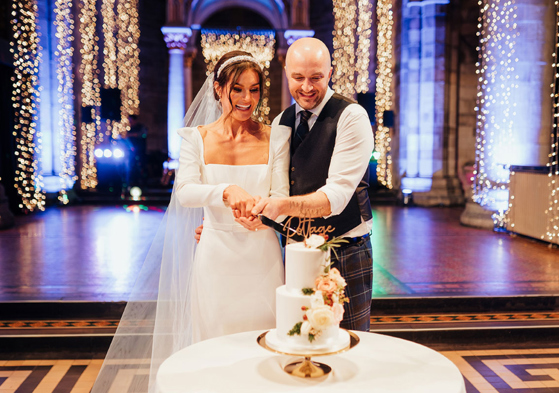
[[176, 39], [427, 163], [513, 116], [552, 227], [56, 112], [25, 48]]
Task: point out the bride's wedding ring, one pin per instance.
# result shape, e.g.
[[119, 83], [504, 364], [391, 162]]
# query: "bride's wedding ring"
[[255, 229]]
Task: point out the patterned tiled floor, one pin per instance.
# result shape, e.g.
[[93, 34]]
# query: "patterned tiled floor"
[[508, 371], [485, 371]]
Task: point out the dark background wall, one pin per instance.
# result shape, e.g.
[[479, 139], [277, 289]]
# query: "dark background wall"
[[154, 65]]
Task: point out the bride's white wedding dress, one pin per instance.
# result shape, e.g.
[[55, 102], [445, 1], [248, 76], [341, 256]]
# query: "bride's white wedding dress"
[[235, 271]]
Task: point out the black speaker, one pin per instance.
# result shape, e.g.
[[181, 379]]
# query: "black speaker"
[[110, 104], [86, 114], [367, 101], [388, 118]]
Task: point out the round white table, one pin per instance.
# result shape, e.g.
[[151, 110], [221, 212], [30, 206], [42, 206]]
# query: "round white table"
[[379, 363]]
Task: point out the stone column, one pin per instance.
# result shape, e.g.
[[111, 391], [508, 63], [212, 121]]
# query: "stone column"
[[49, 108], [176, 39], [427, 160]]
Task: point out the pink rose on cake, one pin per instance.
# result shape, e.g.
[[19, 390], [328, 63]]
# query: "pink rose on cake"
[[338, 311], [321, 317], [334, 274], [325, 284]]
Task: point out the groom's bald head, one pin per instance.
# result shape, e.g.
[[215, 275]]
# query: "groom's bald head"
[[308, 69], [308, 49]]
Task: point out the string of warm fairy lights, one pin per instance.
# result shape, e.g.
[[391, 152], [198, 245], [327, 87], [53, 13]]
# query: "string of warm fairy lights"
[[128, 62], [343, 40], [64, 24], [363, 46], [351, 64], [121, 62], [109, 54], [25, 97], [90, 93], [215, 43], [383, 102], [109, 44], [552, 227], [495, 110]]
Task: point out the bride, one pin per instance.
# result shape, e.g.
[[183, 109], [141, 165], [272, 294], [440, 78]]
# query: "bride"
[[226, 284]]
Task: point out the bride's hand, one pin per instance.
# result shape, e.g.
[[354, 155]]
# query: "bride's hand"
[[251, 223], [240, 201]]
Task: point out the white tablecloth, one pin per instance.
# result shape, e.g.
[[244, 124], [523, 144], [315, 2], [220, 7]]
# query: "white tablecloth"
[[379, 363]]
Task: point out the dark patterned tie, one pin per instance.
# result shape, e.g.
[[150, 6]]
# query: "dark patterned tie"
[[302, 130]]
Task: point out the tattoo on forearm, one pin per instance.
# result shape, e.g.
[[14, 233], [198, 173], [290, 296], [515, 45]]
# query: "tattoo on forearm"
[[301, 209]]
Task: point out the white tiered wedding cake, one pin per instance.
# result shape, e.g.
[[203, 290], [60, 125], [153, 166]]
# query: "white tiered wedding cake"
[[309, 307]]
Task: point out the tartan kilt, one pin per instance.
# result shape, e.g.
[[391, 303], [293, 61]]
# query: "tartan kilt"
[[355, 263]]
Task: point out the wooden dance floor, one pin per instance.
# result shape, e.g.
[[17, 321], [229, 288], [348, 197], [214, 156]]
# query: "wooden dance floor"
[[94, 253]]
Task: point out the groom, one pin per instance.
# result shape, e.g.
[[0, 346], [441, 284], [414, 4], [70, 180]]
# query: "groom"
[[331, 144]]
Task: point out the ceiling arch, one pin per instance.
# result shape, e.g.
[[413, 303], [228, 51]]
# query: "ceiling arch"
[[271, 10]]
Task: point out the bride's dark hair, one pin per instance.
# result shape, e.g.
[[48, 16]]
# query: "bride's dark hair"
[[232, 72]]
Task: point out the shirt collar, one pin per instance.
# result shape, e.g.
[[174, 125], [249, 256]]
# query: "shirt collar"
[[316, 111]]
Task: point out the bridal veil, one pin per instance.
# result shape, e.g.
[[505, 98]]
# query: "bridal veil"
[[156, 321]]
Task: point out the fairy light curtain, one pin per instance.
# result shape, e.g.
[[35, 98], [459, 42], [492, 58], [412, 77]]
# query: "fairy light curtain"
[[121, 67], [352, 23], [497, 31], [552, 229], [260, 43], [121, 62], [25, 97], [383, 96], [90, 93]]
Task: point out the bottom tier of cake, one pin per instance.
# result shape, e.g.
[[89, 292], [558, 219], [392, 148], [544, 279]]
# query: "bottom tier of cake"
[[295, 346]]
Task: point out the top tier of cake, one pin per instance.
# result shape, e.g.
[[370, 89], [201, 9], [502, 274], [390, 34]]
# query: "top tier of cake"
[[302, 266]]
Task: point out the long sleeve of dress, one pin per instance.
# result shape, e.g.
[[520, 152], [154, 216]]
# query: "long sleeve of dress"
[[189, 188]]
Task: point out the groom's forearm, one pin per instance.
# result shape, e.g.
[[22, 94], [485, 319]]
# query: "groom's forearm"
[[309, 206]]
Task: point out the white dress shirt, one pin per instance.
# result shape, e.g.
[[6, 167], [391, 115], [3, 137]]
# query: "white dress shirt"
[[352, 151]]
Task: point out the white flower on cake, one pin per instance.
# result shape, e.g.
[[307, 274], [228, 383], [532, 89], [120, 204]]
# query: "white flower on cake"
[[314, 241], [326, 298], [321, 317], [306, 328], [317, 300]]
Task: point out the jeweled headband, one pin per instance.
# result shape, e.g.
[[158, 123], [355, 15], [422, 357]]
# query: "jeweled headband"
[[236, 59]]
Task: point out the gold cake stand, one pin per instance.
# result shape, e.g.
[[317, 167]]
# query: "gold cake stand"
[[306, 368]]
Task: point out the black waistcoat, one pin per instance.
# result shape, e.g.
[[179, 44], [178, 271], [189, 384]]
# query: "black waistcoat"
[[309, 169]]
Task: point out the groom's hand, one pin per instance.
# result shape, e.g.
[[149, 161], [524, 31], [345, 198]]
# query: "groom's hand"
[[198, 233], [269, 207]]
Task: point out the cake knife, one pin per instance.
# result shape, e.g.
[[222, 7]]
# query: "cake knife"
[[286, 231]]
